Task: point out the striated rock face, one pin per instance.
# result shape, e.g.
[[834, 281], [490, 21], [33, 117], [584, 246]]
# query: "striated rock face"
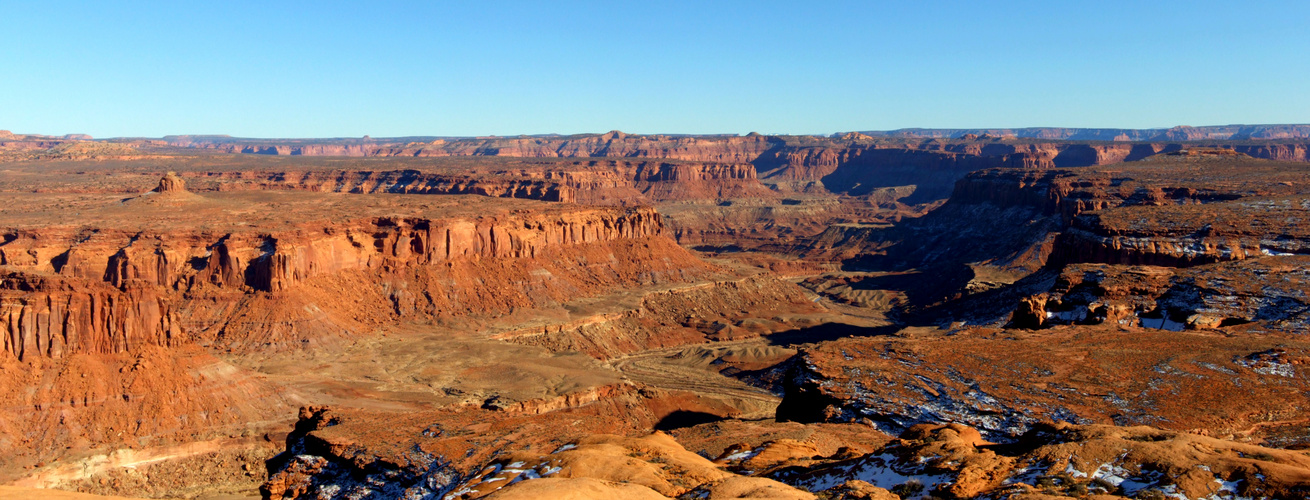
[[65, 293], [55, 410]]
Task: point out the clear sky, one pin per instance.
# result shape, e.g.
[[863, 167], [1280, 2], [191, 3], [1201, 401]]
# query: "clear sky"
[[329, 69]]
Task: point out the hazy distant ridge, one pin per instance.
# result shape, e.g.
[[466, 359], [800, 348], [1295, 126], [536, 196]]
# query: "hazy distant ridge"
[[1180, 133]]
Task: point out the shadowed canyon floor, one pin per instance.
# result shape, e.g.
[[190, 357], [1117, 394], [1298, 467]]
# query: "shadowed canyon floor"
[[614, 316]]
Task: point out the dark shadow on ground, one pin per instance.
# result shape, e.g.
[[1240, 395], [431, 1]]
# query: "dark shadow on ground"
[[685, 418], [827, 332], [922, 288]]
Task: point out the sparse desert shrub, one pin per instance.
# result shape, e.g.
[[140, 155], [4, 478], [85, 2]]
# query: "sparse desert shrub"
[[1077, 489], [1103, 484], [1150, 494], [908, 489]]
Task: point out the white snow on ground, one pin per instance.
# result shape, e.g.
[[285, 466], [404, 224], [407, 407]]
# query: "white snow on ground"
[[1163, 323], [879, 471], [1271, 365], [1124, 479], [743, 455], [512, 474], [1072, 471], [1025, 475], [1130, 483], [1079, 313]]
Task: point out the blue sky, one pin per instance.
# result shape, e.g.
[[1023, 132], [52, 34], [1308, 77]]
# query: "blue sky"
[[328, 69]]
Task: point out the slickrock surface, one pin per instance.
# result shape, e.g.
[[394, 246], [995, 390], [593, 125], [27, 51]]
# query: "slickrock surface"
[[1061, 461], [355, 452], [1235, 386]]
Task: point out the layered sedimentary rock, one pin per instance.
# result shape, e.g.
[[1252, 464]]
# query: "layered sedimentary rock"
[[789, 159], [118, 288], [105, 314], [1174, 210], [64, 411], [598, 182], [1224, 132]]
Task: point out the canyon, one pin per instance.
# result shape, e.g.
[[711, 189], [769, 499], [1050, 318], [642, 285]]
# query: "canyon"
[[923, 313]]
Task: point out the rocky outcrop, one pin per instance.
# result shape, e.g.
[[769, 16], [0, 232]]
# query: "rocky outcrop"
[[1267, 291], [331, 454], [1055, 461], [468, 452], [171, 183], [1003, 382]]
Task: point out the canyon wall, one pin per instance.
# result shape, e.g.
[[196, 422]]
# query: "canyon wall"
[[114, 291]]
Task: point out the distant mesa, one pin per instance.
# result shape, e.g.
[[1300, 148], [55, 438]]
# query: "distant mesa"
[[1207, 152], [855, 136]]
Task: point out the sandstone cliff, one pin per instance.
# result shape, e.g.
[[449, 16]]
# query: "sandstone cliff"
[[66, 293]]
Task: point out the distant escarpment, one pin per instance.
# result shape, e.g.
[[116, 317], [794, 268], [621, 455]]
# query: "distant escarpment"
[[848, 165], [1180, 133], [593, 182], [1176, 210]]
